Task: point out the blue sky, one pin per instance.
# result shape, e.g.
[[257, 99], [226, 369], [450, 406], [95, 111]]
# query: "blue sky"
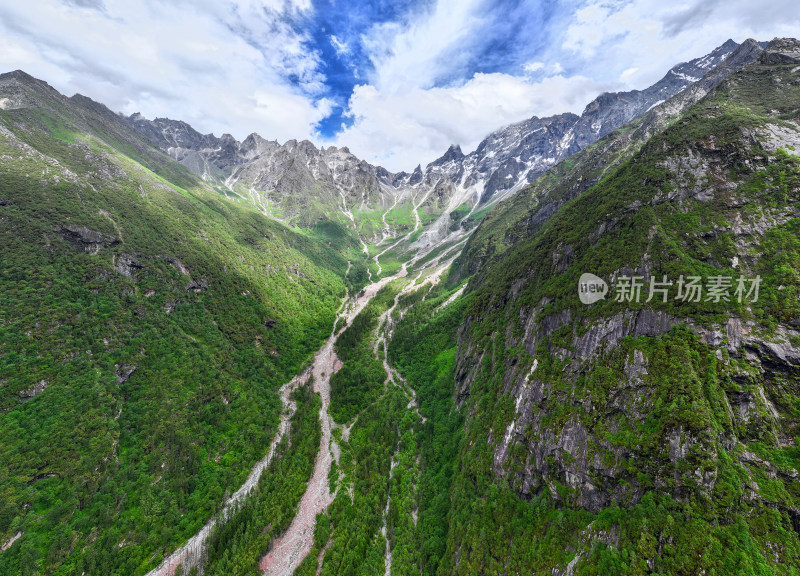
[[336, 31], [396, 82], [340, 32]]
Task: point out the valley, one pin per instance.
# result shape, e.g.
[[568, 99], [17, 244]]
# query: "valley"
[[241, 358]]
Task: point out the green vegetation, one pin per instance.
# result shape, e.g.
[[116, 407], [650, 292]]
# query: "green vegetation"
[[393, 259], [385, 430], [378, 462], [424, 350], [148, 320], [235, 547], [137, 384], [653, 452], [457, 215], [338, 236], [361, 379]]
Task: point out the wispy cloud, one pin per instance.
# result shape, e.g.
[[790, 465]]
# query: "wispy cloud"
[[417, 53]]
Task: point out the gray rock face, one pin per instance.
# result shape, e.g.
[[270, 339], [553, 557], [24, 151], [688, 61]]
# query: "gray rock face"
[[296, 180], [124, 372], [574, 453], [527, 213], [583, 429], [510, 158], [85, 240], [783, 51], [177, 264], [34, 390], [20, 90], [128, 265], [197, 286]]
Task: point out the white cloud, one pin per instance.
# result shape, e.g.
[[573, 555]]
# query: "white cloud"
[[400, 129], [340, 47], [415, 54], [532, 67], [628, 74], [639, 40], [224, 65], [400, 119], [403, 117], [218, 66]]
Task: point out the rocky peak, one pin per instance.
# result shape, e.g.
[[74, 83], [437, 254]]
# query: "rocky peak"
[[21, 90], [19, 78], [506, 161], [255, 145], [166, 133], [416, 176], [782, 51], [453, 154], [510, 158]]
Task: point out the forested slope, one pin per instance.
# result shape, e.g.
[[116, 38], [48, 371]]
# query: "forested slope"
[[632, 436], [146, 322]]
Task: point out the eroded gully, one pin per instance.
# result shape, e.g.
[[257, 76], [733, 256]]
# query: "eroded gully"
[[294, 545]]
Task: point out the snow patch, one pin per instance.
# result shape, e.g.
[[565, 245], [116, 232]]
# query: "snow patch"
[[509, 432], [683, 76]]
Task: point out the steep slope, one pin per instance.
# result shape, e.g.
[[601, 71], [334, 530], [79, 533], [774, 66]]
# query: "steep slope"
[[147, 322], [632, 436]]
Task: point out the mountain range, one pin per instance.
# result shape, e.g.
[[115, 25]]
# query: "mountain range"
[[277, 177], [224, 357]]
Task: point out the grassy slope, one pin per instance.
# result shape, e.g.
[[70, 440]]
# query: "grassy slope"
[[101, 471]]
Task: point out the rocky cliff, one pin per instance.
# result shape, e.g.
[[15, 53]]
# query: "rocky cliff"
[[654, 406]]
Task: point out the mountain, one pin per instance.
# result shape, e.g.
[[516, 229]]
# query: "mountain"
[[146, 323], [633, 435], [303, 184], [524, 214], [241, 358], [509, 159], [295, 181]]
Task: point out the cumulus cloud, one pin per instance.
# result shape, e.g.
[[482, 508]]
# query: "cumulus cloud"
[[222, 67], [403, 128]]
